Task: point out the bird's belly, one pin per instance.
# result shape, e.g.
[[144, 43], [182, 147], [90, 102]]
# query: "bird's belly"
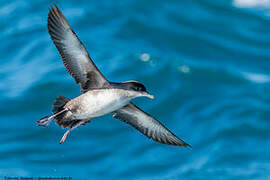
[[94, 105]]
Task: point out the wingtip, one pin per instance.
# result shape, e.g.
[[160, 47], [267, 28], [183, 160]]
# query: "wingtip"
[[57, 9], [54, 9], [183, 143], [51, 7], [187, 146]]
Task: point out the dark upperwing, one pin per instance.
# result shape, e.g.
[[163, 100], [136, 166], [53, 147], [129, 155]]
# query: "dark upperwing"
[[74, 55], [80, 66], [147, 125]]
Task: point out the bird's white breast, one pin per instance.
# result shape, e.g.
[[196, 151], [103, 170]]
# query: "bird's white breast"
[[96, 103]]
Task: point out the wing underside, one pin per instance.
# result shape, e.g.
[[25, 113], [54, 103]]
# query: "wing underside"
[[147, 125]]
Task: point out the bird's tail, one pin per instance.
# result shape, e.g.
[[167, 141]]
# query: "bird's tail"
[[58, 111]]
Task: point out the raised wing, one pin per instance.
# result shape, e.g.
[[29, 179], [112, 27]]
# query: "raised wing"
[[75, 57], [147, 125]]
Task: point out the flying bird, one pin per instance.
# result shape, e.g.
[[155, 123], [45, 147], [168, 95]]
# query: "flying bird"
[[99, 96]]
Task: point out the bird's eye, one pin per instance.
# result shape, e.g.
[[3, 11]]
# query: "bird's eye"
[[137, 88]]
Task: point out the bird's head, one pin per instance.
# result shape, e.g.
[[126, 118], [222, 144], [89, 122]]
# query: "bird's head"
[[138, 88], [135, 88]]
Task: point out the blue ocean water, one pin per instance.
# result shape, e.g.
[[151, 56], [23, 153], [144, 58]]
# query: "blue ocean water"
[[207, 63]]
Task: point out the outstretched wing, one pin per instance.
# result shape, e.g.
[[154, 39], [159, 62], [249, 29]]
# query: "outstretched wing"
[[147, 125], [75, 57]]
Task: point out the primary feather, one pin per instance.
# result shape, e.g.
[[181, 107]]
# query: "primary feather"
[[75, 57]]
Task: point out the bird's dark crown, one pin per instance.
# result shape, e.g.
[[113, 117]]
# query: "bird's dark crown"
[[129, 85]]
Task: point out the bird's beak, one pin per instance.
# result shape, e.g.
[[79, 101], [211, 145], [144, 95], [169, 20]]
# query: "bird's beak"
[[146, 94]]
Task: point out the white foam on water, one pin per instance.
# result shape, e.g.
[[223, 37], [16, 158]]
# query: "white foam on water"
[[184, 69], [145, 57], [252, 3], [257, 78]]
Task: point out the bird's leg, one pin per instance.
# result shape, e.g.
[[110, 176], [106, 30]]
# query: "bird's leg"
[[45, 121], [68, 131], [56, 114], [65, 136]]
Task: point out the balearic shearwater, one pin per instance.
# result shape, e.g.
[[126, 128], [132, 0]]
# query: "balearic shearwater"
[[99, 96]]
